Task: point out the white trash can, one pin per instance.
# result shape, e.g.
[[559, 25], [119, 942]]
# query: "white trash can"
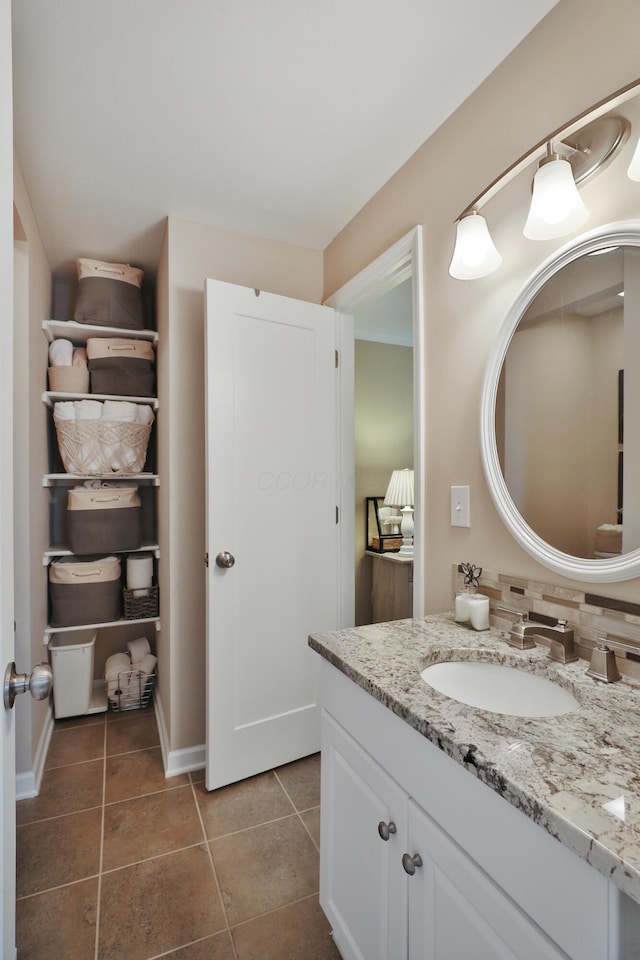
[[72, 665]]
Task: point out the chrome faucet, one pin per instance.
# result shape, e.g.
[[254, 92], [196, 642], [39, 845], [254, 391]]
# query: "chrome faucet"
[[560, 637]]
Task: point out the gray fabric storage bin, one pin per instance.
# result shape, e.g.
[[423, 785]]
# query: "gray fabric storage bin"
[[103, 520], [122, 368], [85, 591], [109, 295]]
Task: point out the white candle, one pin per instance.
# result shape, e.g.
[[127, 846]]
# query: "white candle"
[[462, 612], [479, 611]]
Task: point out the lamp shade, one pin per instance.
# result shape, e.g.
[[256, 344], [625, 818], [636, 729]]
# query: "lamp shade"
[[400, 490], [634, 167], [556, 206], [474, 254]]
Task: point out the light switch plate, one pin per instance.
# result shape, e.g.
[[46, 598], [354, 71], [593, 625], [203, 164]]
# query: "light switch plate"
[[460, 509]]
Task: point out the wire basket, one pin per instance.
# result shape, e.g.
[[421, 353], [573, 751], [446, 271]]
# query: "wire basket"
[[132, 691], [137, 608], [99, 447]]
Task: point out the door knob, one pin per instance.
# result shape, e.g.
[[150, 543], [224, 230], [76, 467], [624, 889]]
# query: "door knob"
[[225, 559], [409, 863], [386, 829], [39, 682]]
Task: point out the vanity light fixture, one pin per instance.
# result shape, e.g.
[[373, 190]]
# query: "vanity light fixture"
[[556, 206], [475, 254], [634, 167], [565, 159]]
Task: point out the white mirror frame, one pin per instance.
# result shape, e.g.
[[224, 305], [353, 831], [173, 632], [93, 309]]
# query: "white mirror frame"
[[625, 567]]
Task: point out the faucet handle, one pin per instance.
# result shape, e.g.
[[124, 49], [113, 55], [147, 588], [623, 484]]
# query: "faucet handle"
[[603, 664]]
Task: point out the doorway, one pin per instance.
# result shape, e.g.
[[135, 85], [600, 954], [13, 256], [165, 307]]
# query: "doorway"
[[383, 434], [401, 264]]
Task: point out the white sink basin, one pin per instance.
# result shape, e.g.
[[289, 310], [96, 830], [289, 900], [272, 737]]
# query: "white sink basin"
[[499, 688]]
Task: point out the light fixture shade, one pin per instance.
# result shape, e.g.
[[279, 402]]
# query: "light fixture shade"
[[556, 206], [474, 254], [400, 490], [634, 167]]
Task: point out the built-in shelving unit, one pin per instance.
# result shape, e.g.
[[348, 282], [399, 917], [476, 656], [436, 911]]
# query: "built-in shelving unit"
[[78, 334]]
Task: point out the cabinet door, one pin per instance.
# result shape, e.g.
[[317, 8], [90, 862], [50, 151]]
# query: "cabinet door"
[[456, 911], [363, 889]]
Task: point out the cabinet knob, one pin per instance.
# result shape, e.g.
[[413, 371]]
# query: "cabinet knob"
[[386, 829], [409, 863]]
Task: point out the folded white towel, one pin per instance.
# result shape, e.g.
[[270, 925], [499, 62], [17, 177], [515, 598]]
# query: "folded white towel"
[[138, 649], [120, 410], [79, 358], [88, 409], [61, 353], [65, 410]]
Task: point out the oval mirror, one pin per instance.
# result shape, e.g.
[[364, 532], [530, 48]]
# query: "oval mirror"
[[560, 415]]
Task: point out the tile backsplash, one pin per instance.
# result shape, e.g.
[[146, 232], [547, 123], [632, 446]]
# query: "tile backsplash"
[[591, 615]]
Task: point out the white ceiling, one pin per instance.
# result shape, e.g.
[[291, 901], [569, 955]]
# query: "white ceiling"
[[278, 118]]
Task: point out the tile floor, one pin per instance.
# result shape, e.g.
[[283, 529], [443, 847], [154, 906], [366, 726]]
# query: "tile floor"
[[117, 863]]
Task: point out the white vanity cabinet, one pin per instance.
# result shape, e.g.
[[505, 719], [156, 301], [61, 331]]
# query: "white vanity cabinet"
[[456, 911], [364, 834], [488, 883]]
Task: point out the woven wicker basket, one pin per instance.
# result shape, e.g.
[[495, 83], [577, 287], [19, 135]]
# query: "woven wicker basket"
[[136, 608], [99, 447]]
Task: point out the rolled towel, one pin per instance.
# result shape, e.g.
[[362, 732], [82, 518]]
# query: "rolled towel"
[[120, 410], [145, 414], [65, 410], [88, 409], [147, 665], [138, 649], [61, 353], [116, 664], [79, 358]]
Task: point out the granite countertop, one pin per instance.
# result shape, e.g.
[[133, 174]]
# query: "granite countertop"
[[577, 775]]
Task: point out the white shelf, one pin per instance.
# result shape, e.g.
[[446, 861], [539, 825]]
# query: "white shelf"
[[49, 397], [51, 479], [79, 333], [51, 631], [61, 550]]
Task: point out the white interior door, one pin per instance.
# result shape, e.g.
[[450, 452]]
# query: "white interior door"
[[7, 735], [272, 454]]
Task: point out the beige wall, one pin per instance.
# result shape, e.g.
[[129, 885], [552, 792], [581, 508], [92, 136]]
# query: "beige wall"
[[578, 55], [193, 252], [31, 505], [383, 409]]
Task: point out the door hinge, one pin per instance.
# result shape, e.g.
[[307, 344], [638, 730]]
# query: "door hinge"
[[206, 559], [337, 359], [337, 514]]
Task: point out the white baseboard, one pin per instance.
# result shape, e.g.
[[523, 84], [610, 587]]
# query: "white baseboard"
[[176, 761], [28, 784]]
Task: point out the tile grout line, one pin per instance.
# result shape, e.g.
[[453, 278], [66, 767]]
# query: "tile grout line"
[[297, 812], [215, 873], [104, 792], [284, 906]]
